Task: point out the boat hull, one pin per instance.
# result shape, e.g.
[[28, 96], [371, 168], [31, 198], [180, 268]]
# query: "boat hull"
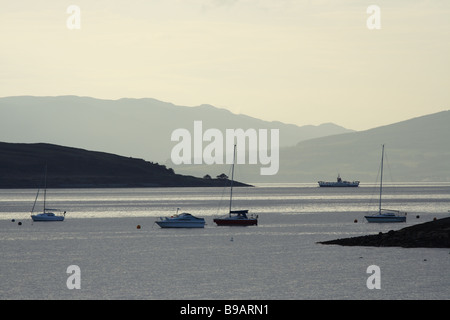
[[171, 224], [338, 185], [236, 222], [43, 218], [382, 219]]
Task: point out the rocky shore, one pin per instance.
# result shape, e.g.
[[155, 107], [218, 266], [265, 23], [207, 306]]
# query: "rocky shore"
[[433, 234]]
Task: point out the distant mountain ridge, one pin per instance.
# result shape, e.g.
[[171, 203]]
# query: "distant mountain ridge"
[[417, 150], [138, 128]]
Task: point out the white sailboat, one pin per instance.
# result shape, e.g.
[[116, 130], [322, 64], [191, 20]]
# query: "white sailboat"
[[386, 215], [236, 217], [47, 213]]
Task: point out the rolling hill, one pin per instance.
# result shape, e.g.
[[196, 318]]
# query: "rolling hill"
[[417, 150], [22, 166], [140, 128]]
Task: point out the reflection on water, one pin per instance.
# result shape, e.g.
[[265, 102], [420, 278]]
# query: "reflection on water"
[[278, 259], [271, 200]]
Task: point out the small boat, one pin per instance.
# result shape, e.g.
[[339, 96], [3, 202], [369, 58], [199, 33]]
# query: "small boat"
[[46, 215], [385, 215], [339, 183], [182, 220], [236, 217]]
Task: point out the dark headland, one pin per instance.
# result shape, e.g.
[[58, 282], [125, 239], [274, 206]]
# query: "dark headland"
[[22, 165], [432, 234]]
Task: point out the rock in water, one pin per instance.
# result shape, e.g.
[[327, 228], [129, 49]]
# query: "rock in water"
[[433, 234]]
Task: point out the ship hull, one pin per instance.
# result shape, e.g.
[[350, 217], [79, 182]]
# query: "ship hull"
[[170, 224], [236, 222], [338, 185], [381, 219]]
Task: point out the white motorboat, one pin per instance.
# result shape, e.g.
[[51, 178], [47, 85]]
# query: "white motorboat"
[[385, 215], [182, 220]]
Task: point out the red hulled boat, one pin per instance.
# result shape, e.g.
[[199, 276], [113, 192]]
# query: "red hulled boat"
[[236, 217]]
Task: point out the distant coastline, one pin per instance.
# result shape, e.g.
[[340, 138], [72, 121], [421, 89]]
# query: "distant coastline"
[[22, 166]]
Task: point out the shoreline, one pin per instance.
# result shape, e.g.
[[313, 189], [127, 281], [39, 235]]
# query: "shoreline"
[[432, 234]]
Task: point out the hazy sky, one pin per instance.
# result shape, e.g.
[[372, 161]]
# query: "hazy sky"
[[301, 62]]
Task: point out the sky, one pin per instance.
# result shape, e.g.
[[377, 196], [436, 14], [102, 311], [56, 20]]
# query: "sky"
[[301, 62]]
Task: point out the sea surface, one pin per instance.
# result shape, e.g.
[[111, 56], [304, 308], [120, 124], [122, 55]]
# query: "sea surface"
[[120, 253]]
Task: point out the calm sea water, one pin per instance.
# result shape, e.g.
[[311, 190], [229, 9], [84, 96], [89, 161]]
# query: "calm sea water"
[[278, 259]]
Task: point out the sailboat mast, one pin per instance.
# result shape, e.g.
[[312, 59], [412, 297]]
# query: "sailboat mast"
[[35, 199], [381, 179], [45, 185], [232, 177]]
